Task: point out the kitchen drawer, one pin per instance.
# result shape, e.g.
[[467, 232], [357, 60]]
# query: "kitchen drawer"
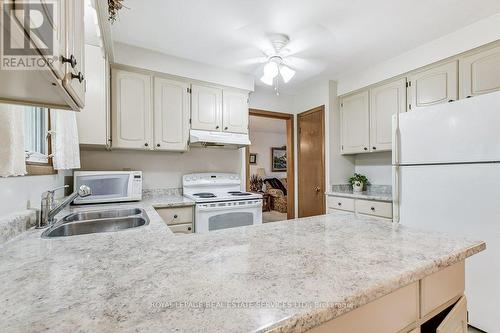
[[177, 215], [441, 287], [341, 203], [375, 208], [182, 228]]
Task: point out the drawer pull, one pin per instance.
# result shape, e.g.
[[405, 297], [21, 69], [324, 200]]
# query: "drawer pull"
[[189, 228], [175, 216], [340, 203], [373, 209]]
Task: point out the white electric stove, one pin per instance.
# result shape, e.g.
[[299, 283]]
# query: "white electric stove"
[[220, 203]]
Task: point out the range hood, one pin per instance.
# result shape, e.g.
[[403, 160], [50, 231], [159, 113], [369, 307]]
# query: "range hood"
[[199, 138]]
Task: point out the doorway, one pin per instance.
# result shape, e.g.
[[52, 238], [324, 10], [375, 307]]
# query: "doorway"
[[311, 162], [270, 163]]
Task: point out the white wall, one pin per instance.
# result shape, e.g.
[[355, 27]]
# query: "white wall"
[[20, 193], [262, 142], [162, 169], [159, 62], [469, 37], [266, 99], [377, 167]]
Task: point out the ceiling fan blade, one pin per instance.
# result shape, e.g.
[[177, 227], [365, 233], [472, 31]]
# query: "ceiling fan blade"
[[302, 40], [252, 61], [305, 65]]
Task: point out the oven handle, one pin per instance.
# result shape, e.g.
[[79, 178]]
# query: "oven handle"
[[211, 209]]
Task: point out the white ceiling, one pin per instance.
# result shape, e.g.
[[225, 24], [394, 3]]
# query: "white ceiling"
[[267, 125], [327, 37]]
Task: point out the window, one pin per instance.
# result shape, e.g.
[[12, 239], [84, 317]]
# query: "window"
[[37, 140]]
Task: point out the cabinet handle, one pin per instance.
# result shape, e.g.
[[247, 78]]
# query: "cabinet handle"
[[469, 96], [146, 144], [80, 77], [451, 101], [189, 228], [216, 127], [226, 128], [373, 209], [71, 60], [365, 148], [340, 203], [157, 145], [374, 148]]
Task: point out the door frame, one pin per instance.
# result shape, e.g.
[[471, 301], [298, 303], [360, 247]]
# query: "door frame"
[[300, 173], [290, 158]]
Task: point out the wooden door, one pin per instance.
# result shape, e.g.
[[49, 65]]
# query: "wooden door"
[[235, 112], [311, 162], [131, 110], [74, 80], [385, 101], [171, 114], [434, 86], [355, 120], [206, 108], [480, 73]]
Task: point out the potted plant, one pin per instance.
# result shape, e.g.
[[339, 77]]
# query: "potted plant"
[[358, 182]]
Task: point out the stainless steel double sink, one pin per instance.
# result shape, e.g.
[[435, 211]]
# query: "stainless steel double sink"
[[97, 221]]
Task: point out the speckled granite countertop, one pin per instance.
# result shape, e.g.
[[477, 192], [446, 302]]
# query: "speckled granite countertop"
[[279, 277]]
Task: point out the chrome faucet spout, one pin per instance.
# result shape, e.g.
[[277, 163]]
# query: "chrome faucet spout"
[[49, 210]]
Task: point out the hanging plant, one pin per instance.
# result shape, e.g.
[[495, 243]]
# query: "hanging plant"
[[113, 7]]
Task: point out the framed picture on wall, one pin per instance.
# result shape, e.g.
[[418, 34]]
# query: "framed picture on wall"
[[278, 159], [252, 159]]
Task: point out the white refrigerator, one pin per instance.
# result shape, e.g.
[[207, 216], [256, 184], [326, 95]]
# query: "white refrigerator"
[[446, 174]]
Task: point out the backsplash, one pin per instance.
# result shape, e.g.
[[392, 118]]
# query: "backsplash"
[[148, 193], [379, 189]]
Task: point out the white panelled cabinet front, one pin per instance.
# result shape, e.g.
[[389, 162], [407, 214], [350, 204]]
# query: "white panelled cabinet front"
[[74, 80], [235, 112], [480, 73], [171, 115], [434, 86], [206, 108], [131, 110], [385, 101], [355, 119]]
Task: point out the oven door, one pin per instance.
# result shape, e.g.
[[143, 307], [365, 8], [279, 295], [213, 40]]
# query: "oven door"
[[223, 215], [112, 187]]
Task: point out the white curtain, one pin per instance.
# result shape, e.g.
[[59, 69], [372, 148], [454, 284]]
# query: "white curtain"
[[12, 154], [64, 134]]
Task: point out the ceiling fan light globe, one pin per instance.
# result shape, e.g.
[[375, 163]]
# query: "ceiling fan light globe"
[[266, 79], [287, 73], [271, 69]]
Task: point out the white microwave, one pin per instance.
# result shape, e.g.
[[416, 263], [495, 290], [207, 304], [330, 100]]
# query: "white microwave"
[[109, 186]]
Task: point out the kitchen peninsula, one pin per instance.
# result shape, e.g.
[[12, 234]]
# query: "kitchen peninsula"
[[319, 274]]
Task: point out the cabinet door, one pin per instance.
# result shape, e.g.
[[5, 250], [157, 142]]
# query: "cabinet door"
[[434, 86], [93, 121], [206, 108], [235, 112], [171, 114], [385, 101], [131, 110], [456, 320], [480, 73], [355, 115], [74, 80]]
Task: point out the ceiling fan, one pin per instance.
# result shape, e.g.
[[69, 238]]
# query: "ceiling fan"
[[275, 64]]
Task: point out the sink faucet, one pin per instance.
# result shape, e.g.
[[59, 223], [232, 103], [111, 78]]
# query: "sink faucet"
[[49, 209]]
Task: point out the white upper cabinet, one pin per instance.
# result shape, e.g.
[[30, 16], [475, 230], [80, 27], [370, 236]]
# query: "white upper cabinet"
[[131, 110], [171, 115], [385, 101], [206, 108], [235, 112], [480, 73], [74, 80], [434, 86], [355, 120], [93, 121]]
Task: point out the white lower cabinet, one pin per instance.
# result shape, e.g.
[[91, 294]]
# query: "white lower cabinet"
[[480, 73], [171, 115], [148, 112], [360, 206], [180, 220], [93, 121], [131, 110]]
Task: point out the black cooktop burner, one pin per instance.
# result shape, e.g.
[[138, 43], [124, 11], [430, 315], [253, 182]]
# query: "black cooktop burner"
[[204, 195], [239, 194]]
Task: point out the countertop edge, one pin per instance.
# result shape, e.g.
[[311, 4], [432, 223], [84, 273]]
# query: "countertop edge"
[[375, 197]]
